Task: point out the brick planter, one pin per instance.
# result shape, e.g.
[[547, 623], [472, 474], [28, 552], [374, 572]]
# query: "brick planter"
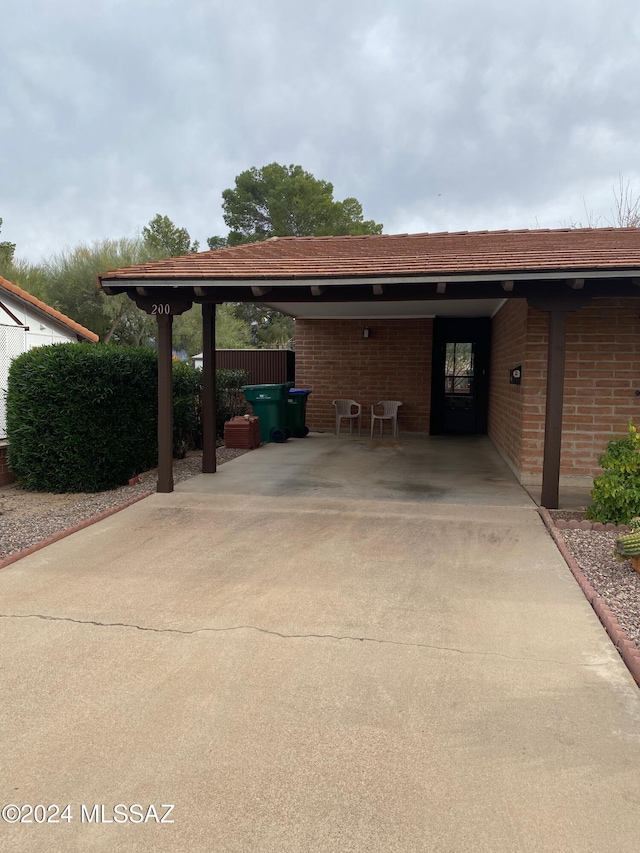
[[6, 474]]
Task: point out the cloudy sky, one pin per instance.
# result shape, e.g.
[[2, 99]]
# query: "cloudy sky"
[[435, 114]]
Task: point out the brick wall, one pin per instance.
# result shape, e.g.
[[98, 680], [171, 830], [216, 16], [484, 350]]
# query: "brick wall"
[[6, 474], [601, 376], [508, 350], [602, 373], [335, 361]]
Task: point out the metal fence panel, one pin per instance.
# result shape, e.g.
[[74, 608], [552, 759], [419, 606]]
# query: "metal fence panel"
[[13, 342], [264, 366]]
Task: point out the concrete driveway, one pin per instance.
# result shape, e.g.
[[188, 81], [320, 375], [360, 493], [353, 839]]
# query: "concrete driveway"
[[313, 673]]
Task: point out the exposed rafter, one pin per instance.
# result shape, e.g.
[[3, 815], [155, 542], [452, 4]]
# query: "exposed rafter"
[[258, 290], [441, 287], [378, 289], [318, 289], [576, 283], [507, 285]]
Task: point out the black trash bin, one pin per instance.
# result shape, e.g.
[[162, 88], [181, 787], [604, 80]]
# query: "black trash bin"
[[296, 412]]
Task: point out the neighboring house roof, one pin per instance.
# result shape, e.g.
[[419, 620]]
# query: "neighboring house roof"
[[448, 254], [32, 302]]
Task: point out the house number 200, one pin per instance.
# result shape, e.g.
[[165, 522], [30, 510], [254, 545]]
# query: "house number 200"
[[162, 308]]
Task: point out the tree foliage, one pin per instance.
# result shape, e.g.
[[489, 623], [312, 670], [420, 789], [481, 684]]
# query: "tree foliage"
[[6, 250], [217, 242], [283, 201], [161, 236], [231, 331], [71, 287], [287, 201], [274, 200], [30, 277], [266, 328], [67, 281]]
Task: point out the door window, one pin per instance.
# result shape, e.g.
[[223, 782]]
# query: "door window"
[[458, 369]]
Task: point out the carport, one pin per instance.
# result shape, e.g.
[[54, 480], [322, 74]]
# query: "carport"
[[412, 469], [462, 275]]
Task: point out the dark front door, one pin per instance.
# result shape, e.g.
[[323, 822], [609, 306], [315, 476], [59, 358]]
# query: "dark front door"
[[460, 379]]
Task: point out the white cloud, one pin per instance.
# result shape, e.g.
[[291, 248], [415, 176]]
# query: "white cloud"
[[435, 115]]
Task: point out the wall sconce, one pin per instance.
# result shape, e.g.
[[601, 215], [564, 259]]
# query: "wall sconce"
[[366, 332]]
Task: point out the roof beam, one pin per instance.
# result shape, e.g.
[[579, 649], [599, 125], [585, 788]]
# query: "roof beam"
[[455, 291], [142, 291], [507, 285], [199, 291], [576, 283], [378, 289], [441, 287], [318, 289]]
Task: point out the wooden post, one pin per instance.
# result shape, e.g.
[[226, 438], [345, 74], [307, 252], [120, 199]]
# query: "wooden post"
[[553, 412], [165, 403], [208, 388]]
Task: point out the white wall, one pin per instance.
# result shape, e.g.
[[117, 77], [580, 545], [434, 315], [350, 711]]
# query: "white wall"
[[16, 339]]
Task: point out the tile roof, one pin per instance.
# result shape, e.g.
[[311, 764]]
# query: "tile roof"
[[18, 292], [445, 253]]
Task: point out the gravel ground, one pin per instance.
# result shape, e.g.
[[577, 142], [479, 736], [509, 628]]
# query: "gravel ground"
[[29, 517], [618, 583]]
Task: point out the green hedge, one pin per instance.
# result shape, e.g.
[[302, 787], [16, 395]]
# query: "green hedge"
[[229, 398], [187, 425], [187, 404], [83, 417]]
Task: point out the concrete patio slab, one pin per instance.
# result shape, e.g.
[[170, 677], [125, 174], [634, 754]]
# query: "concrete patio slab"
[[440, 469], [314, 673]]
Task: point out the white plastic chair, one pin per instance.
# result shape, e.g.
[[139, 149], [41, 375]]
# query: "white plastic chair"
[[389, 413], [345, 409]]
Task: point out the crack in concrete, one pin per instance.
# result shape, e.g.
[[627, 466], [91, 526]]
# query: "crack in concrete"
[[272, 633]]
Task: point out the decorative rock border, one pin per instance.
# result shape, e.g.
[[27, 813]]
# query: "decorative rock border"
[[628, 650], [563, 524], [62, 534]]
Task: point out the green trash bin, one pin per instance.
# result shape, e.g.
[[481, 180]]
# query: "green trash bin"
[[296, 412], [269, 404]]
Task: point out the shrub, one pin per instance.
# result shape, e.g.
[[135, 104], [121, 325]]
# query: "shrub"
[[82, 417], [616, 492], [187, 412], [187, 424], [229, 398]]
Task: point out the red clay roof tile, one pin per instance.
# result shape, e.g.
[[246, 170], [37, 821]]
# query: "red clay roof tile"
[[444, 253], [47, 309]]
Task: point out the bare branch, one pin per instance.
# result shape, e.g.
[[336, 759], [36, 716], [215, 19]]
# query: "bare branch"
[[626, 212]]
